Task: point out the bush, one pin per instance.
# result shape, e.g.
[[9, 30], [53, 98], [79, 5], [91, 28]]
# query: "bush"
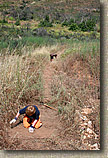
[[84, 26], [88, 25], [68, 23], [40, 32], [26, 14], [3, 21], [46, 22], [74, 27], [17, 22], [65, 23], [71, 21], [11, 18]]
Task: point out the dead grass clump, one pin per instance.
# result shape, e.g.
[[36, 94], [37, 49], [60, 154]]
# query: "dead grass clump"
[[20, 84], [75, 87], [5, 143]]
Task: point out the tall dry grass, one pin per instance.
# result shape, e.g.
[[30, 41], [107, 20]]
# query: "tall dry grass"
[[78, 72], [76, 85], [21, 83]]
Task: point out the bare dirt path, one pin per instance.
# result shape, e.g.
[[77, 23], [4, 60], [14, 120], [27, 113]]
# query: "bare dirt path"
[[44, 138], [54, 134], [48, 74]]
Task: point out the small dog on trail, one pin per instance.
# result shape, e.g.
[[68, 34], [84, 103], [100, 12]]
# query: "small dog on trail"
[[52, 56]]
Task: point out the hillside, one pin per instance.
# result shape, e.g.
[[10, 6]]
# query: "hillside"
[[66, 89], [57, 10], [54, 19], [69, 84]]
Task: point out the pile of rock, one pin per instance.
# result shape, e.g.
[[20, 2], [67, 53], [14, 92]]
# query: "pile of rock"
[[88, 137]]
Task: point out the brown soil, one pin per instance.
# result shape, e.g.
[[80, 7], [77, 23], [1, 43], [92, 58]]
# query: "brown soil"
[[54, 134], [38, 139], [48, 73], [46, 137]]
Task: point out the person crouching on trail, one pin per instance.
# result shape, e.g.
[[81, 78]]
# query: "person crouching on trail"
[[31, 119]]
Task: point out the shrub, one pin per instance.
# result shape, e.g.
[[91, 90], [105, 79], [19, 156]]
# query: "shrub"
[[68, 23], [65, 23], [88, 25], [74, 27], [71, 21], [40, 32], [46, 22], [17, 22], [11, 18], [26, 14], [3, 21]]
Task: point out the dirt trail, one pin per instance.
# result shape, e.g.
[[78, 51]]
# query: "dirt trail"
[[44, 137], [48, 74], [54, 135]]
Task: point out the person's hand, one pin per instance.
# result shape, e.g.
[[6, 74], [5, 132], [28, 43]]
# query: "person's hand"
[[31, 129], [13, 121]]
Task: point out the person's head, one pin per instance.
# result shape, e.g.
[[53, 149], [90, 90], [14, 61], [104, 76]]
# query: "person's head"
[[30, 110]]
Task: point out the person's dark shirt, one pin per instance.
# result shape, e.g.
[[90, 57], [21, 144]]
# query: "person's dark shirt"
[[34, 116]]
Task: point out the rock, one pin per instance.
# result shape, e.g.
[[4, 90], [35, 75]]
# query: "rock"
[[95, 147], [89, 130], [84, 137], [83, 118], [89, 124], [86, 111]]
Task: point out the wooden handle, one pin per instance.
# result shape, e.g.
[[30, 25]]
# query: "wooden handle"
[[50, 107]]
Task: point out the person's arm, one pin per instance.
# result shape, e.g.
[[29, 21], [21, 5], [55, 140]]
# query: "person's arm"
[[34, 123], [22, 111], [16, 117], [32, 127]]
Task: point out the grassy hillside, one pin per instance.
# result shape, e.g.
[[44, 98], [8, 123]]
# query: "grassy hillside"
[[23, 22], [74, 91], [58, 11], [29, 31]]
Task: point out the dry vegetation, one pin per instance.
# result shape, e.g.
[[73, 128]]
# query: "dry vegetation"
[[27, 39], [21, 83], [75, 91]]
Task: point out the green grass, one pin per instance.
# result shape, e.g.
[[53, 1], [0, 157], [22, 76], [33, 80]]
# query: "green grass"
[[39, 41], [18, 44], [75, 45], [84, 48], [10, 36]]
